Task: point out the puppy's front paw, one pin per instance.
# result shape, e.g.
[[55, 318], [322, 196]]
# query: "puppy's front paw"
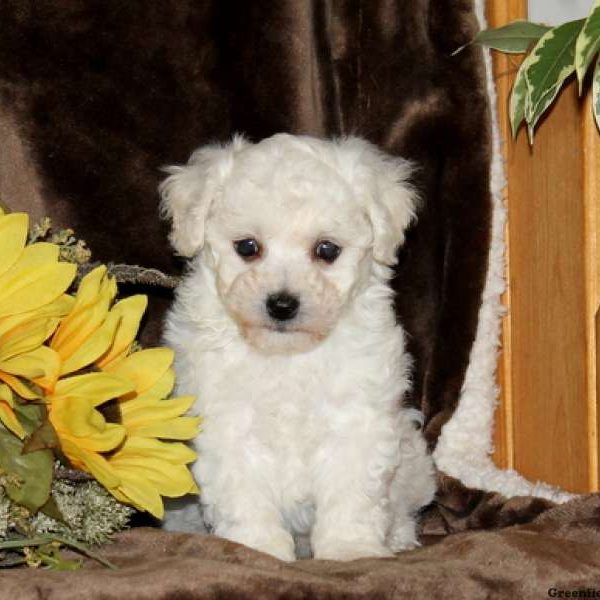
[[274, 541], [350, 550], [278, 551], [403, 536], [404, 546]]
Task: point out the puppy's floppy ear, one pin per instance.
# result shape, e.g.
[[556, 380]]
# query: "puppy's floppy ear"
[[189, 191], [382, 183]]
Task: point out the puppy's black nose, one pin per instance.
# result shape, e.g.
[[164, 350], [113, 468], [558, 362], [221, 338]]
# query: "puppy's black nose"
[[282, 306]]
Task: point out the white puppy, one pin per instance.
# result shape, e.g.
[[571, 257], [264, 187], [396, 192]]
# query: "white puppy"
[[284, 330]]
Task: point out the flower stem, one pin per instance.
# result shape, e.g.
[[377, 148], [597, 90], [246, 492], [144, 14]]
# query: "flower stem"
[[42, 540]]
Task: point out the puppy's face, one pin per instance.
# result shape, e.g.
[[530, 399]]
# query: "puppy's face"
[[288, 249], [291, 237]]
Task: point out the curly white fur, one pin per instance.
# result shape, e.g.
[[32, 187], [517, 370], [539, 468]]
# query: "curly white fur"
[[304, 428]]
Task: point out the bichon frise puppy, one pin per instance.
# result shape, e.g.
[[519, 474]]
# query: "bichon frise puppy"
[[284, 329]]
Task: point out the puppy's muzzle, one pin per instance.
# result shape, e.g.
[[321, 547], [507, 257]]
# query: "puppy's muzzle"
[[282, 306]]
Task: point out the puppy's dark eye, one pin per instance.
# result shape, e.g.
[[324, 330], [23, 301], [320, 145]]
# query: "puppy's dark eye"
[[248, 248], [326, 251]]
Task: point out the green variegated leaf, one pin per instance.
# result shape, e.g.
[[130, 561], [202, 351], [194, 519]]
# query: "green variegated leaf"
[[546, 101], [518, 99], [596, 93], [588, 43], [514, 38], [550, 63], [543, 104]]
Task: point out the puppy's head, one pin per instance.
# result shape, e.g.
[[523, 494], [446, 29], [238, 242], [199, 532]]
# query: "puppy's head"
[[291, 227]]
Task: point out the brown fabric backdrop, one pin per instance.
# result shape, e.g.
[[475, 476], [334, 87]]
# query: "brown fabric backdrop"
[[97, 95]]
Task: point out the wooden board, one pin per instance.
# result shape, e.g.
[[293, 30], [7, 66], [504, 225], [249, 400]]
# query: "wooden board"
[[505, 67], [548, 415]]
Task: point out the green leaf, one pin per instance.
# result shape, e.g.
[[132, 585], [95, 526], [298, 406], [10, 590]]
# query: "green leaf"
[[519, 100], [544, 103], [31, 415], [44, 437], [550, 63], [51, 557], [588, 43], [514, 38], [596, 93], [42, 540], [50, 509], [33, 470]]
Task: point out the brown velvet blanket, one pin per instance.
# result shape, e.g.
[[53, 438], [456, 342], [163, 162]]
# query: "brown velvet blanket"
[[558, 552]]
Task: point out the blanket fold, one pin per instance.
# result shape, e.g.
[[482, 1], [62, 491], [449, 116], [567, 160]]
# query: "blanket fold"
[[560, 550]]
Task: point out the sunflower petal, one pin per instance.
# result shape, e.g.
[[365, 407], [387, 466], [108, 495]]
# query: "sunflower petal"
[[18, 386], [181, 428], [7, 414], [74, 418], [177, 482], [143, 410], [120, 497], [53, 310], [144, 368], [112, 436], [99, 467], [35, 287], [13, 235], [94, 295], [9, 419], [41, 364], [131, 311], [168, 479], [93, 347], [25, 332], [92, 285], [98, 387], [58, 308], [6, 395], [162, 388], [140, 492], [26, 337], [173, 452], [36, 255]]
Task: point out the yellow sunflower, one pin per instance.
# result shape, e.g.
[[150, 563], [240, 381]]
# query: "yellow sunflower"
[[94, 332], [147, 466], [115, 423], [125, 451], [87, 331], [118, 438], [83, 432], [32, 301]]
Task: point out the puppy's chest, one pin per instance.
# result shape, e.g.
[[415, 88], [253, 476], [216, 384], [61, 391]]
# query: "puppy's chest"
[[273, 400]]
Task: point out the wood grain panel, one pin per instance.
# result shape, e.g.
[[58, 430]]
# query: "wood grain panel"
[[505, 67], [548, 301], [548, 417], [591, 194]]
